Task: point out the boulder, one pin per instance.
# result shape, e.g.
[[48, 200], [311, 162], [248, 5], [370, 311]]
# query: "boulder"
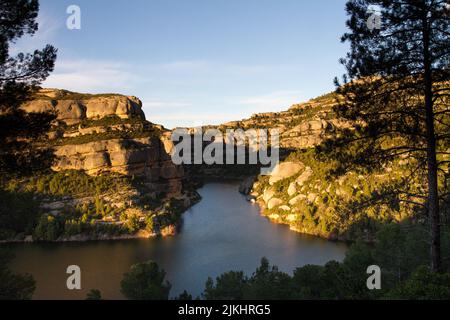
[[292, 189], [268, 194], [285, 170], [306, 174], [121, 106], [312, 197], [251, 198], [274, 202], [297, 199]]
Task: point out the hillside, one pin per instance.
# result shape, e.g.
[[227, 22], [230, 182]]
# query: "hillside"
[[301, 192], [112, 175]]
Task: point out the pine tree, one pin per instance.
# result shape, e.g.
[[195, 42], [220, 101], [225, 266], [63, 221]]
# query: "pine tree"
[[396, 91], [20, 76]]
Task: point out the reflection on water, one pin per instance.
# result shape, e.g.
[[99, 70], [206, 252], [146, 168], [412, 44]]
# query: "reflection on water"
[[223, 232]]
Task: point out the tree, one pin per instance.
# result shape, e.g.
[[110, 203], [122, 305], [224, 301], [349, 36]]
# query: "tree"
[[94, 294], [268, 283], [396, 92], [19, 79], [14, 286], [184, 296], [423, 285], [308, 282], [145, 281], [229, 286], [48, 228]]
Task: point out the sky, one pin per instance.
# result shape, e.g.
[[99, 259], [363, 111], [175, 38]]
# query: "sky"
[[196, 62]]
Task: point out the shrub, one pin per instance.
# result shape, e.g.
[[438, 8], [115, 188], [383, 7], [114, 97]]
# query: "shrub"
[[48, 228], [145, 281]]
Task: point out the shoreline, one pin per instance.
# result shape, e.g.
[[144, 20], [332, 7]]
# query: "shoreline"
[[168, 231]]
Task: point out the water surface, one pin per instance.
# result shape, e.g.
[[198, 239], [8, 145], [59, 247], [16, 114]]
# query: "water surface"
[[222, 232]]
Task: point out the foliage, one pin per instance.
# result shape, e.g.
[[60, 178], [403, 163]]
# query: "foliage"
[[49, 228], [94, 294], [19, 78], [18, 212], [228, 286], [266, 283], [352, 205], [14, 286], [396, 92], [106, 121], [135, 133], [145, 281], [423, 285], [184, 296], [133, 224], [73, 182]]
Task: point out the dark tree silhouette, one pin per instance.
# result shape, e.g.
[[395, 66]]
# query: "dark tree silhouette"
[[20, 76], [14, 286], [145, 281], [396, 91]]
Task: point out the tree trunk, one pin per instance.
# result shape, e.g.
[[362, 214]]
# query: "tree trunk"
[[433, 195]]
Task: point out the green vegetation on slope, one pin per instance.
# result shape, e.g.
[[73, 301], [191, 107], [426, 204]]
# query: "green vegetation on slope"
[[93, 216]]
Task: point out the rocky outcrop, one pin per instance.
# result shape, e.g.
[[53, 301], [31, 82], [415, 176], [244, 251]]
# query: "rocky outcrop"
[[107, 138], [72, 108], [126, 143], [274, 202], [303, 126], [284, 170], [145, 157]]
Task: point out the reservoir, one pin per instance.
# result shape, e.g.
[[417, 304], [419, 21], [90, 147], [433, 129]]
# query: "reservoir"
[[222, 232]]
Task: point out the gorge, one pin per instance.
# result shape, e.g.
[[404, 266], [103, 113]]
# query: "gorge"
[[112, 178], [222, 232]]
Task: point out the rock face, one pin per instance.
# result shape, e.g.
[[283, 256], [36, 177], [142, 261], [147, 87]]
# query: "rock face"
[[140, 157], [118, 166], [303, 126], [126, 143], [72, 108]]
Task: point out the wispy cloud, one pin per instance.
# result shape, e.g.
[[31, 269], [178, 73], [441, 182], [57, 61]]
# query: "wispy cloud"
[[192, 119], [165, 104], [218, 68], [278, 100], [92, 76], [184, 66]]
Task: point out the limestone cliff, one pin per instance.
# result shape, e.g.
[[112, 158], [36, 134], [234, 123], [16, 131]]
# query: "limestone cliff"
[[72, 108], [101, 140]]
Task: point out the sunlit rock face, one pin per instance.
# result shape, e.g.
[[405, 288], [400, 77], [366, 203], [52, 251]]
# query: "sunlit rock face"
[[108, 133], [71, 108]]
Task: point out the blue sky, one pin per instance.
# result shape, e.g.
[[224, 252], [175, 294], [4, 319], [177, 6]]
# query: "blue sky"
[[195, 62]]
